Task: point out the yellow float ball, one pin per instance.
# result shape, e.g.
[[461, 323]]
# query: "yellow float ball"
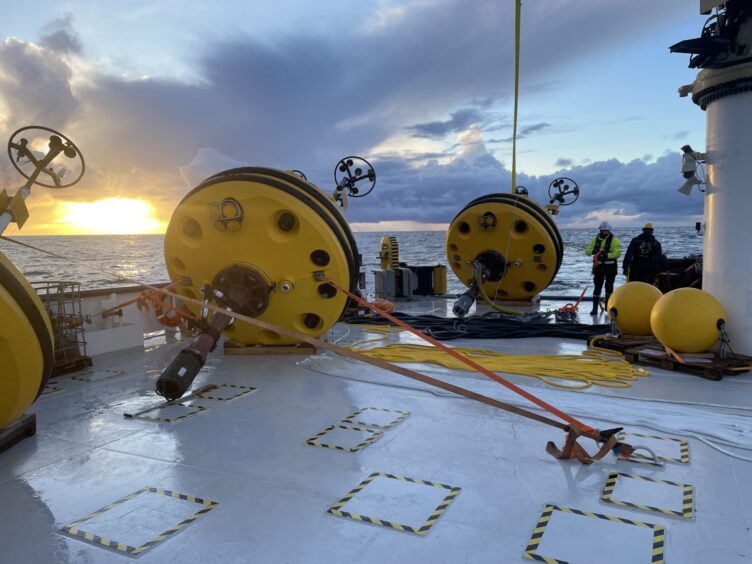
[[633, 303], [686, 320]]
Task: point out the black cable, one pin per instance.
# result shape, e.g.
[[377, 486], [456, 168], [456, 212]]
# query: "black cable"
[[489, 326]]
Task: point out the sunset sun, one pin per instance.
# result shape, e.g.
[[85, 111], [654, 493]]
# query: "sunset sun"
[[116, 216]]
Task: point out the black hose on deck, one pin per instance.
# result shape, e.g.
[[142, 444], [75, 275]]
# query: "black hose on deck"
[[488, 326]]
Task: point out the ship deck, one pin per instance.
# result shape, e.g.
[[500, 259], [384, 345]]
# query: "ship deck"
[[234, 480]]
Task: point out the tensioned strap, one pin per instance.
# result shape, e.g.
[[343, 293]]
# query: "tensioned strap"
[[472, 364]]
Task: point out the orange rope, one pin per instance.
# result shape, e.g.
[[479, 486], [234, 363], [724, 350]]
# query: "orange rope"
[[474, 365]]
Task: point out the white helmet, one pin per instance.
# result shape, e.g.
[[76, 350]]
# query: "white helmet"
[[605, 226]]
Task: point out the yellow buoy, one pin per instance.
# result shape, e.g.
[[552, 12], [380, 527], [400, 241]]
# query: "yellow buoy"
[[273, 233], [630, 305], [26, 344], [514, 241], [686, 320]]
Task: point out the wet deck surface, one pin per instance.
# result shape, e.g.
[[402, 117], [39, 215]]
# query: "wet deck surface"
[[247, 487]]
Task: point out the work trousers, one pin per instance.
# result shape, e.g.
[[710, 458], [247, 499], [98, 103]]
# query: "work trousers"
[[604, 273]]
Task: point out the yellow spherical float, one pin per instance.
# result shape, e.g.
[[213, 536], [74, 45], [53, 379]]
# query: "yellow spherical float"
[[630, 306], [687, 320]]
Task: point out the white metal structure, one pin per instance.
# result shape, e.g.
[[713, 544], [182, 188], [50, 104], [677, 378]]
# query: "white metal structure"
[[726, 95]]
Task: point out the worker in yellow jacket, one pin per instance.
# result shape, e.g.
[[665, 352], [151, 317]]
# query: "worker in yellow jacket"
[[605, 249]]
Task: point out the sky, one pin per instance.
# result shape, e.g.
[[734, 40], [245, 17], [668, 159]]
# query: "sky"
[[161, 94]]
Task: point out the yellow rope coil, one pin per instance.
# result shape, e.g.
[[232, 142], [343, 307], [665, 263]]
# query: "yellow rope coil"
[[571, 372]]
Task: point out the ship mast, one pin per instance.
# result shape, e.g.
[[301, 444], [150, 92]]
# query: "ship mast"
[[723, 89]]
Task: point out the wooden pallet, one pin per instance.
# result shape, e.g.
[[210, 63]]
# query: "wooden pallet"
[[22, 428], [230, 347], [72, 366], [624, 342], [705, 365]]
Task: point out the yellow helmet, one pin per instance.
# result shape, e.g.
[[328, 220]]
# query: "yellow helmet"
[[648, 226]]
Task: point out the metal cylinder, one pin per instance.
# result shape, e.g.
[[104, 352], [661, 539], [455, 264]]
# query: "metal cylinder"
[[727, 260]]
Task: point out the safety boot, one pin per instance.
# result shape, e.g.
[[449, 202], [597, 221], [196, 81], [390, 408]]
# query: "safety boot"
[[596, 303]]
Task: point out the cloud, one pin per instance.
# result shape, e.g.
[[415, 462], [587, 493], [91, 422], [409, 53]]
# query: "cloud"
[[59, 36], [35, 87], [458, 121], [561, 162], [305, 100], [679, 135], [622, 192]]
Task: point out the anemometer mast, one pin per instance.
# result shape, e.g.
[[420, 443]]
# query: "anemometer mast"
[[723, 88], [35, 152]]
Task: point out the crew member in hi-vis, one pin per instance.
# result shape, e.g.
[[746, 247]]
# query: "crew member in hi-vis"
[[605, 249]]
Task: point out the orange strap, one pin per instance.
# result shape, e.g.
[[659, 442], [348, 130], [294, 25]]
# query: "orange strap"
[[474, 365]]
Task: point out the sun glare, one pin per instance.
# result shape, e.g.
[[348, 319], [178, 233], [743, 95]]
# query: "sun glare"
[[111, 216]]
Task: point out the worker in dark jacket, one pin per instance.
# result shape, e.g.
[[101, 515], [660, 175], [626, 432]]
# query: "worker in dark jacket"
[[605, 250], [642, 261]]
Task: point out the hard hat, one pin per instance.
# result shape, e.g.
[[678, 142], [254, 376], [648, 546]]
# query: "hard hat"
[[605, 226], [648, 225]]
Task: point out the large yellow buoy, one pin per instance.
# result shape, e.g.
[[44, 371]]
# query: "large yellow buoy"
[[686, 320], [630, 306], [26, 344], [511, 239], [271, 232]]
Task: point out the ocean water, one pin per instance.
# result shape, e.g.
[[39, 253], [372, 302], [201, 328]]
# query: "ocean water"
[[140, 257]]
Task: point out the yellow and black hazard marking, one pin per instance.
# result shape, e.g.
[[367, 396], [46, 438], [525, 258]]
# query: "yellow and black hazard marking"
[[196, 409], [688, 496], [182, 402], [86, 376], [372, 436], [659, 533], [642, 459], [454, 491], [402, 415], [238, 389], [75, 531]]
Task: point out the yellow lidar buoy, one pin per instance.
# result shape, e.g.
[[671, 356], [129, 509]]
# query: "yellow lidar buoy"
[[630, 306], [26, 344], [686, 320], [274, 231], [514, 239]]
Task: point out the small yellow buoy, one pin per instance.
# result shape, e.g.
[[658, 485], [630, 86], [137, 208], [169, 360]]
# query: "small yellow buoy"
[[686, 320], [631, 305]]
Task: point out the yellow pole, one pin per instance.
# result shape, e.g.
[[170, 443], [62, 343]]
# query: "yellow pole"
[[517, 17]]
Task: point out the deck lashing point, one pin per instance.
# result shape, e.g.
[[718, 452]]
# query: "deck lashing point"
[[374, 436], [400, 418], [687, 511], [454, 491], [540, 527], [245, 390], [642, 459], [73, 530]]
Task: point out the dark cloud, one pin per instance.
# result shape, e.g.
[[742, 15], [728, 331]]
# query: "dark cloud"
[[35, 87], [623, 192], [679, 135], [305, 101], [60, 36], [561, 162], [458, 121]]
